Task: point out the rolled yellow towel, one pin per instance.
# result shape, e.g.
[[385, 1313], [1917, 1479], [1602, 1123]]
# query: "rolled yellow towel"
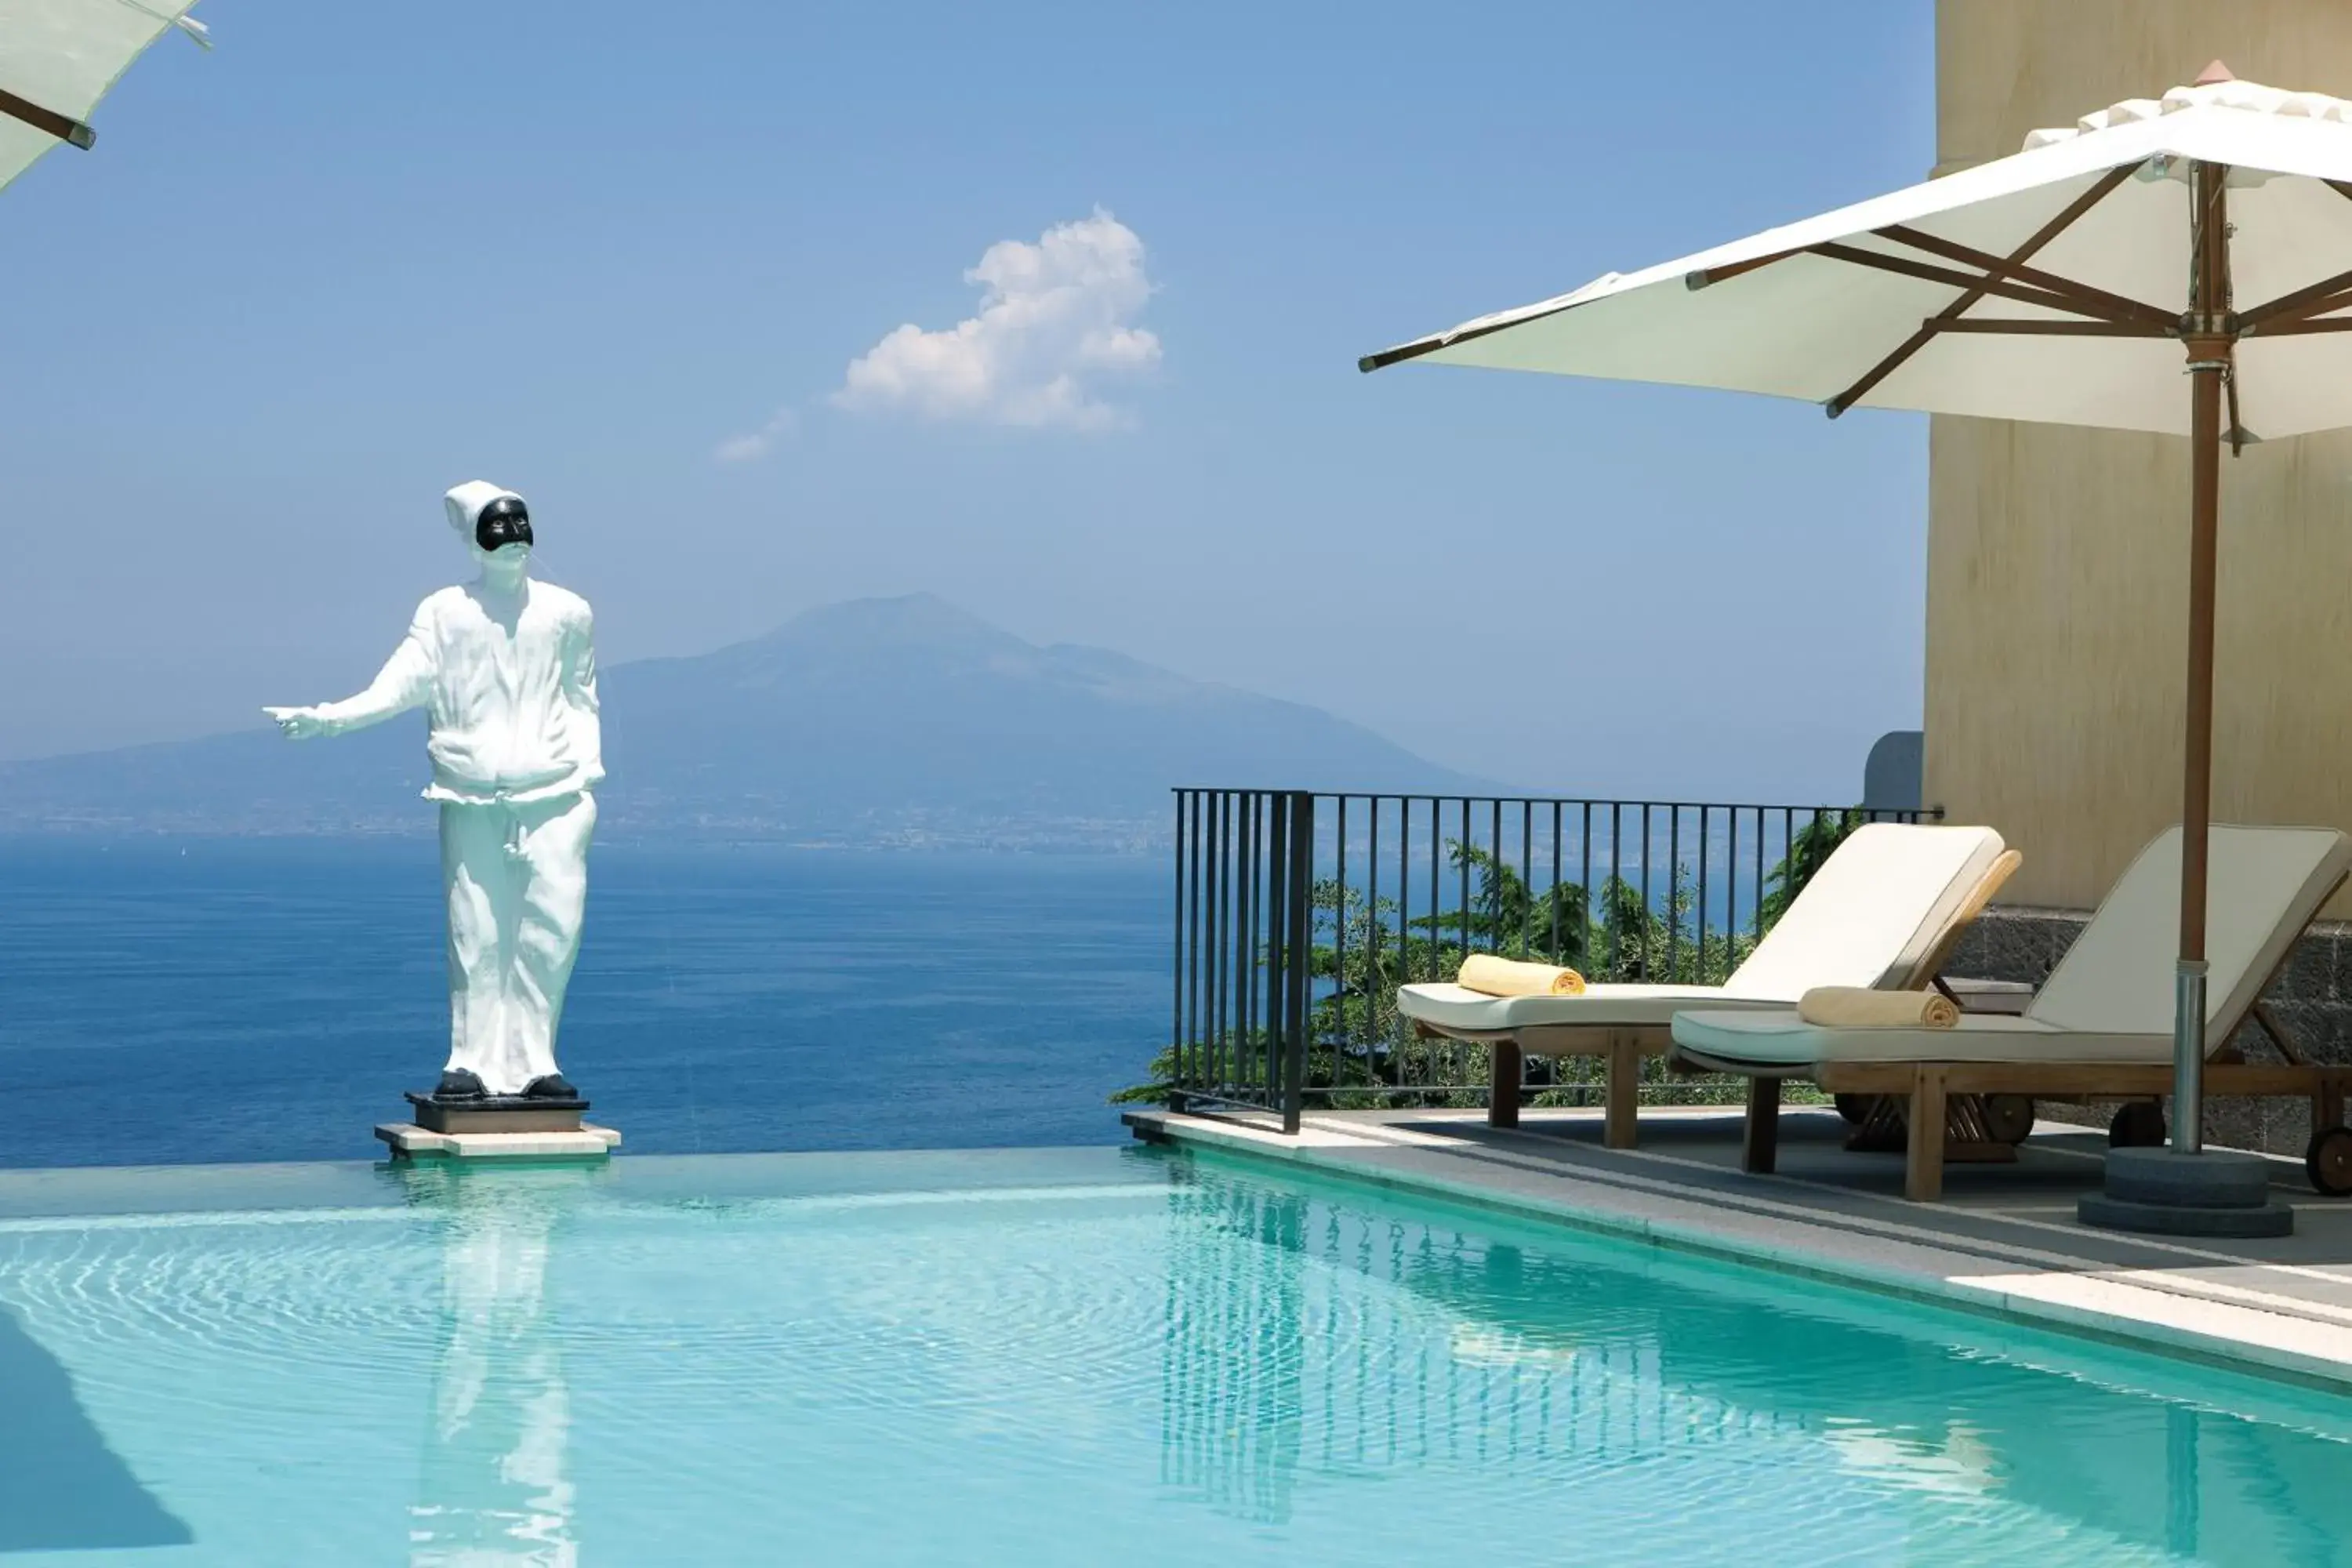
[[1853, 1007], [1493, 976]]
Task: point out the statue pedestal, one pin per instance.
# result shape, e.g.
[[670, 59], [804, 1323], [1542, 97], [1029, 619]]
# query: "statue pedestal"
[[499, 1128]]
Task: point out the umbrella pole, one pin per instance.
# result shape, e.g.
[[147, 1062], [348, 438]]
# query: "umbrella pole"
[[2196, 804], [2210, 340], [2184, 1190]]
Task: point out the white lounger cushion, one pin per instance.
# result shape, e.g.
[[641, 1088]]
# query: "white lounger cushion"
[[1874, 909], [1776, 1037], [2110, 998]]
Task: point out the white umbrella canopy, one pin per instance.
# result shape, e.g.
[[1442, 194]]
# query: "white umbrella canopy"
[[2208, 230], [59, 57], [1815, 323]]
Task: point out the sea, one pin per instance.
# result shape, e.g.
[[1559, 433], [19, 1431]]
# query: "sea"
[[235, 999]]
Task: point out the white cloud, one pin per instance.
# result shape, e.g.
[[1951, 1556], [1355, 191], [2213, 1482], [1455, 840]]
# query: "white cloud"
[[1056, 319], [758, 444]]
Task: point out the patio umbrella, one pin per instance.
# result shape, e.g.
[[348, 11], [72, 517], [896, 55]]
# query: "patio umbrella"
[[59, 57], [2065, 284]]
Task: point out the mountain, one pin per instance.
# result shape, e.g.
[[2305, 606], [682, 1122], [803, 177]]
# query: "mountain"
[[877, 720]]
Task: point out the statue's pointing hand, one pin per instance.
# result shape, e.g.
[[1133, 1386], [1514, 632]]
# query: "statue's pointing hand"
[[300, 723]]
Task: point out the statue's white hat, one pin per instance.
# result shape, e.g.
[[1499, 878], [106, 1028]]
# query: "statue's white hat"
[[466, 502]]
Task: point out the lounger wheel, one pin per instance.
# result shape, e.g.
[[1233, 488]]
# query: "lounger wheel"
[[1854, 1107], [2140, 1125], [2008, 1117], [2328, 1160]]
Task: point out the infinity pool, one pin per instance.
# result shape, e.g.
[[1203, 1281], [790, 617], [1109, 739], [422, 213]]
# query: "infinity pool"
[[1075, 1357]]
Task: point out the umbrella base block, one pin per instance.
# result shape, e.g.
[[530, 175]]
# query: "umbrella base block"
[[2160, 1191]]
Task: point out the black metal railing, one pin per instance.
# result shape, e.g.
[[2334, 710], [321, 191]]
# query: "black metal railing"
[[1298, 913]]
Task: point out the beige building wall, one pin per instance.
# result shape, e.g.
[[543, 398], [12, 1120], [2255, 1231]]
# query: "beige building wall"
[[2057, 577]]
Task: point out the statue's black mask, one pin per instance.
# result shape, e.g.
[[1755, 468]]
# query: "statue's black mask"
[[505, 521]]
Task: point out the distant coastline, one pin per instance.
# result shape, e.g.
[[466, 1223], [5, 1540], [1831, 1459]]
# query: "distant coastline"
[[904, 724]]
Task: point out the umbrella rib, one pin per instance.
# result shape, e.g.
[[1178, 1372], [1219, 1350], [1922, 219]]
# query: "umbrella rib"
[[2057, 225], [1708, 276], [2099, 301], [2303, 328], [1972, 283], [64, 127], [2327, 294], [2031, 329], [1387, 357]]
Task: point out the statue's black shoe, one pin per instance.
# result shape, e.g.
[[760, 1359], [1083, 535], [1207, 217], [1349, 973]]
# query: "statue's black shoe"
[[553, 1086], [459, 1084]]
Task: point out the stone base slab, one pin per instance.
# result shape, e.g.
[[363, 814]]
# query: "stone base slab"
[[501, 1113], [411, 1141]]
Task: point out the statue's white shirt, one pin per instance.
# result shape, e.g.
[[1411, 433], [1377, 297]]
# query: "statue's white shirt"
[[513, 711]]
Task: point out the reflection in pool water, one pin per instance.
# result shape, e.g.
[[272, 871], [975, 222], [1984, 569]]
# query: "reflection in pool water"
[[492, 1490], [1064, 1358], [1310, 1355]]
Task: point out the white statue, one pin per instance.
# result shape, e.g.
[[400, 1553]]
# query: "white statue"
[[505, 669]]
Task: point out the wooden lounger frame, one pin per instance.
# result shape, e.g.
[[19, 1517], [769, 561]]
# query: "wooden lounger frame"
[[1926, 1089], [1623, 1046]]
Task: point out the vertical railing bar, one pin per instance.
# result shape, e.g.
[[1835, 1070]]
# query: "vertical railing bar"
[[1262, 956], [1220, 874], [1272, 866], [1302, 874], [1278, 912], [1705, 825], [1674, 885], [1252, 1024], [1339, 938], [1436, 875], [1277, 957], [1787, 841], [1246, 949], [1616, 877], [1236, 975], [1200, 918], [1179, 1047], [1527, 867], [1406, 963], [1495, 847], [1204, 952], [1732, 888], [1462, 865], [1499, 862], [1584, 875], [1228, 902], [1557, 956], [1759, 873], [1373, 959], [1646, 857], [1176, 951]]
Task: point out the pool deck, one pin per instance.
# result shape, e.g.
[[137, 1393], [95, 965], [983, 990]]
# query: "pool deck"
[[2004, 1240]]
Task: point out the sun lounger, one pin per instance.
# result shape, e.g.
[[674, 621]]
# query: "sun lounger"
[[1884, 910], [2101, 1027]]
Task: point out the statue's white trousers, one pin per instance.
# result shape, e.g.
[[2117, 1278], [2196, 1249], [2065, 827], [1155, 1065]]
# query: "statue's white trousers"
[[518, 881]]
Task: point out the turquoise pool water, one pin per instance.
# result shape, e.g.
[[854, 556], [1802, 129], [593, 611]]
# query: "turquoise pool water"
[[1071, 1357]]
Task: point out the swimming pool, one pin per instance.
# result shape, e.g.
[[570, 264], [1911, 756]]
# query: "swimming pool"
[[1045, 1358]]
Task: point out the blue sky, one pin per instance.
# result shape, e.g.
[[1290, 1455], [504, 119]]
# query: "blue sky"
[[624, 258]]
